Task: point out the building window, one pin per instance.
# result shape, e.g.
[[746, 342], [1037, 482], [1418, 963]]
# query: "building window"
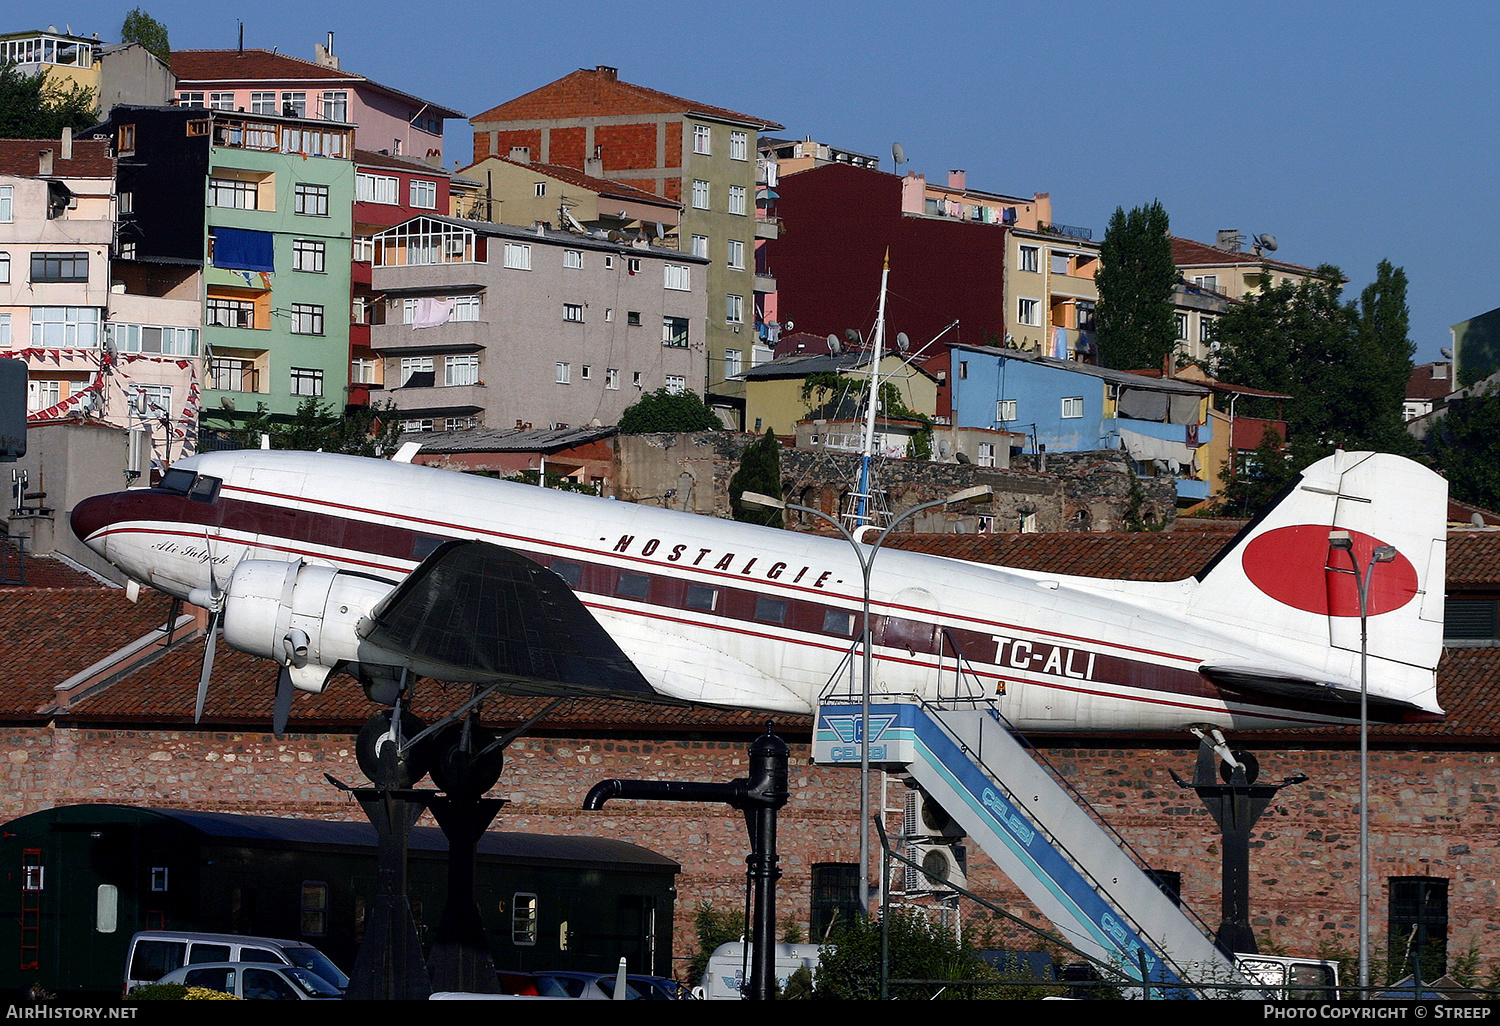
[[564, 373], [465, 308], [1418, 926], [376, 189], [307, 255], [1028, 311], [416, 427], [700, 139], [1005, 410], [411, 366], [518, 257], [193, 100], [632, 265], [59, 267], [734, 309], [523, 920], [633, 318], [678, 277], [1072, 407], [739, 145], [675, 383], [423, 194], [732, 360], [700, 195], [540, 188], [984, 453], [311, 200], [42, 395], [1085, 315], [230, 375], [307, 319], [573, 312], [1029, 258], [263, 103], [572, 259], [586, 372], [1207, 281], [700, 246], [221, 101], [612, 378], [151, 338], [674, 332], [1470, 621], [1061, 262], [65, 326], [294, 105], [461, 370], [336, 106], [1182, 326], [7, 196], [314, 908], [229, 313], [736, 256], [233, 193], [1207, 329], [4, 268], [125, 140], [736, 199], [460, 423], [307, 381], [361, 372]]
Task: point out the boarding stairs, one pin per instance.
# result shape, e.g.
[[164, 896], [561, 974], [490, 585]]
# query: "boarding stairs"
[[1037, 831]]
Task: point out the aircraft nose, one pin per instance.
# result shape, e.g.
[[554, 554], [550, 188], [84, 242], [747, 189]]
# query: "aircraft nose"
[[94, 514]]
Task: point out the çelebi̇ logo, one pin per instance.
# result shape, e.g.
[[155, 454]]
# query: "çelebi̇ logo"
[[1296, 566]]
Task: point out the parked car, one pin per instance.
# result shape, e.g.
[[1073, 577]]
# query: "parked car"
[[154, 953], [256, 981], [587, 986]]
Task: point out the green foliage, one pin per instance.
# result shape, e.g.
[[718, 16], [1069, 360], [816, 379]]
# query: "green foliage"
[[849, 968], [1466, 447], [714, 928], [141, 28], [1259, 478], [1135, 320], [664, 410], [317, 427], [35, 107], [556, 482], [760, 471], [799, 985]]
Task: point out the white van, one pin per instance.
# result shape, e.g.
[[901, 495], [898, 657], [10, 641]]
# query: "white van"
[[728, 964], [154, 953]]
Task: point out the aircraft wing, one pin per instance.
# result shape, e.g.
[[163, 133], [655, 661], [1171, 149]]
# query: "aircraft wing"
[[474, 611]]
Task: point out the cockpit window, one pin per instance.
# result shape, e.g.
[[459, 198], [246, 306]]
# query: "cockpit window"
[[198, 487]]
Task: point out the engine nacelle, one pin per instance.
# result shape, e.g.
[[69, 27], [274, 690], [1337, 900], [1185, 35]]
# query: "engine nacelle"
[[303, 616]]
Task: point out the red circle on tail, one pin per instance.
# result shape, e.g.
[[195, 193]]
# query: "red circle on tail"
[[1297, 567]]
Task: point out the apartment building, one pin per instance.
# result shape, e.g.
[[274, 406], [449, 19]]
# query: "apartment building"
[[699, 155], [263, 205], [495, 325]]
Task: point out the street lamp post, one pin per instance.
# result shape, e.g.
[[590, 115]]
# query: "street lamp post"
[[1342, 541], [865, 554]]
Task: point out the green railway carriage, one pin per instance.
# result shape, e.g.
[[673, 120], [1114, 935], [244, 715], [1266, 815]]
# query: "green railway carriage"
[[79, 880]]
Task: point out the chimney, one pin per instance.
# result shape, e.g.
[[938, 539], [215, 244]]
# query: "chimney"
[[594, 166], [67, 144], [1229, 240], [521, 154], [958, 179], [44, 162], [323, 55], [605, 71]]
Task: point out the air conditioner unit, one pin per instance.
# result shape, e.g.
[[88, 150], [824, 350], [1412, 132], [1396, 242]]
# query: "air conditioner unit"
[[944, 867]]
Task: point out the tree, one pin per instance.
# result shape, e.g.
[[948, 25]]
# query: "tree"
[[1385, 354], [760, 471], [34, 107], [317, 427], [141, 28], [666, 410], [849, 968], [1466, 447], [1135, 320]]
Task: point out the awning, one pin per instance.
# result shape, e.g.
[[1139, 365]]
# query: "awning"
[[239, 249]]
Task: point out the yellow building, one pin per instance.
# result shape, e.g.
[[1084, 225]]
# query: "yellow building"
[[773, 391], [66, 59]]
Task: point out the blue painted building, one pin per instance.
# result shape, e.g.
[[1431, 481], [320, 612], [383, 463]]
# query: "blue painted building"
[[1063, 406]]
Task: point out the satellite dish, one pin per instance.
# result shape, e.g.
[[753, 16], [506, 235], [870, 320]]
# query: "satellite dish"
[[1266, 242], [852, 336], [833, 345], [902, 342], [898, 154], [1446, 352]]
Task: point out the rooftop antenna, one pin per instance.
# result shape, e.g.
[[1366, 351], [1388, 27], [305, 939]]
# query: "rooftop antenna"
[[242, 39], [1266, 243], [898, 156]]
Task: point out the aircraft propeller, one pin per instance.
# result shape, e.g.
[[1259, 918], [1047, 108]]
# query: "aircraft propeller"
[[215, 606]]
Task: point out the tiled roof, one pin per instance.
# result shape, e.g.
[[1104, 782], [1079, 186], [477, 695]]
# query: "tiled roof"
[[1187, 253], [196, 67], [91, 158], [368, 158], [1473, 558], [594, 92], [1423, 384], [42, 571], [1163, 556]]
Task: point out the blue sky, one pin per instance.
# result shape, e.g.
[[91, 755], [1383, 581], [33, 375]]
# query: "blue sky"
[[1352, 133]]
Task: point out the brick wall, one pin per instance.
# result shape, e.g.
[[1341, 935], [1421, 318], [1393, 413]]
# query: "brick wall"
[[1433, 814]]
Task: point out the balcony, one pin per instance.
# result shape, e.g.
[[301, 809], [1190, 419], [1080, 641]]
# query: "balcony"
[[452, 335], [768, 227], [765, 282]]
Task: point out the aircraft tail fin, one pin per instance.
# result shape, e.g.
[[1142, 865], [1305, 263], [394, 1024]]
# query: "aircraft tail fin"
[[1292, 578]]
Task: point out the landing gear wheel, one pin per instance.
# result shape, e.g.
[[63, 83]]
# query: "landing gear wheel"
[[376, 751], [1252, 767], [465, 772]]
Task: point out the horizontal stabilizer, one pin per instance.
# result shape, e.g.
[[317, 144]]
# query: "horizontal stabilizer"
[[478, 612]]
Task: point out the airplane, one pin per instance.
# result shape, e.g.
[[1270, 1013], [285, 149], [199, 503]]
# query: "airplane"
[[388, 571]]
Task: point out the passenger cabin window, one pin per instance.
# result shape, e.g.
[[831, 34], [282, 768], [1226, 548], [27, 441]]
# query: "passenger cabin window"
[[635, 586], [770, 610], [570, 572], [838, 621], [699, 597]]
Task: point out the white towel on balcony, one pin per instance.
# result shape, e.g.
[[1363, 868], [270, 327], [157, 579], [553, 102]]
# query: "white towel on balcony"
[[432, 312]]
